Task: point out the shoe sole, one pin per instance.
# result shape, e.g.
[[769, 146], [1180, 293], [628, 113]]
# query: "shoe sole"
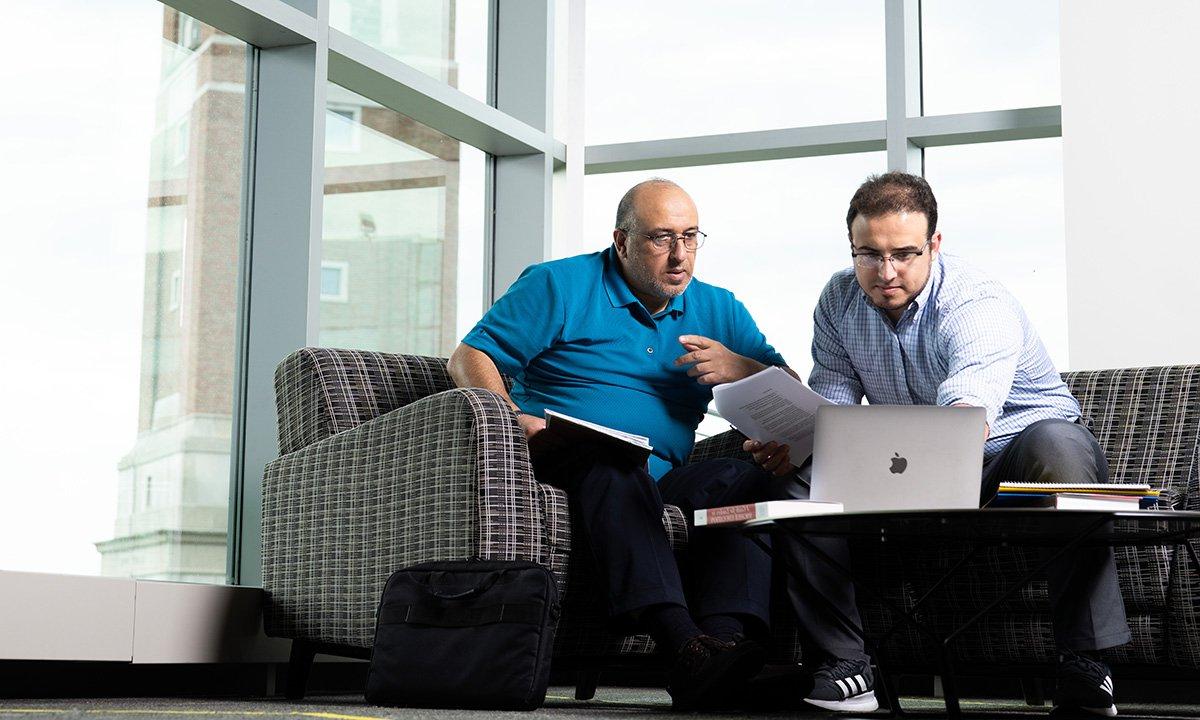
[[1078, 711], [867, 702]]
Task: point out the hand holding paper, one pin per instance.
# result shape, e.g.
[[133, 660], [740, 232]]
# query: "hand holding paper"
[[772, 406]]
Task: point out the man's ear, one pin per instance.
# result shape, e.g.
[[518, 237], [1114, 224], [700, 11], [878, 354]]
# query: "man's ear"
[[621, 240], [935, 243]]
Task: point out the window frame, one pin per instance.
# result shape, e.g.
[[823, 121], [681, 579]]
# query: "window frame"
[[534, 171]]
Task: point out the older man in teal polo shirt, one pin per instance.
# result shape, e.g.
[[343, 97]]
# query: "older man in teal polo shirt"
[[627, 338]]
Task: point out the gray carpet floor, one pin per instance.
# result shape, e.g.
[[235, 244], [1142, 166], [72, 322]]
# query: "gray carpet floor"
[[623, 703]]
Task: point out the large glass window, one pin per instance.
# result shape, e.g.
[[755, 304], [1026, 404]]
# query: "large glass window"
[[1000, 206], [445, 39], [695, 67], [121, 183], [983, 55], [777, 232], [402, 250]]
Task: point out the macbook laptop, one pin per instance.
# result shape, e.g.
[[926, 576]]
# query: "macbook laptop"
[[898, 457]]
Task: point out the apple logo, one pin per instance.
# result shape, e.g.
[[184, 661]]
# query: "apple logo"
[[899, 464]]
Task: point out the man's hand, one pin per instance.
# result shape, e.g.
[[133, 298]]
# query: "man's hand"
[[531, 424], [713, 363], [541, 441], [771, 456]]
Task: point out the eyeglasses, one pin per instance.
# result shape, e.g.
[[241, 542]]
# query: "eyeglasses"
[[899, 261], [665, 242]]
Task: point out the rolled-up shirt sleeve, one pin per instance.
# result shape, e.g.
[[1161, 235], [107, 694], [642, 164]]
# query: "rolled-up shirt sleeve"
[[522, 323], [833, 374], [982, 341]]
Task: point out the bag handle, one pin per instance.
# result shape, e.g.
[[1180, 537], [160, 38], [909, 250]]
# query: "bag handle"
[[523, 613], [488, 581]]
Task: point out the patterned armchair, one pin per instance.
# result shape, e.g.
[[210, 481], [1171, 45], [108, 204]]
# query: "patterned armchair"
[[384, 463]]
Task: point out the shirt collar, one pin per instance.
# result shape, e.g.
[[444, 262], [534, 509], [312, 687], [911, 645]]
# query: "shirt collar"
[[620, 294], [935, 279]]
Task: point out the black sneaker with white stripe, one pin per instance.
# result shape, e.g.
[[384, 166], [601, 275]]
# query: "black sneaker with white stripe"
[[843, 686], [1085, 687]]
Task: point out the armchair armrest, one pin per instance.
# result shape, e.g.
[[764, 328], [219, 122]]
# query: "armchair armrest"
[[445, 477]]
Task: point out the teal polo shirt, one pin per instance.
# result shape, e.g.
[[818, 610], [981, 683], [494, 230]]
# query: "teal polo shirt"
[[574, 339]]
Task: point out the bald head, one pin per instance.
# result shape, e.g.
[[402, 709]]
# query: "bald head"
[[627, 209]]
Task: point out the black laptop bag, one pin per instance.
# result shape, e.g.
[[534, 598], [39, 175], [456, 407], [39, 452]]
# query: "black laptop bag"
[[465, 634]]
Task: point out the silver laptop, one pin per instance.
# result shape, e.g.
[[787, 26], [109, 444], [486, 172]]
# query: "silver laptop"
[[898, 457]]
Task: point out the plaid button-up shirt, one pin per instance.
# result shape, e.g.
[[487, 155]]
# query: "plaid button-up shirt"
[[963, 340]]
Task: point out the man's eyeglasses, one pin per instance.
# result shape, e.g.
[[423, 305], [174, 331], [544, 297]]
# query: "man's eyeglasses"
[[665, 242], [873, 261]]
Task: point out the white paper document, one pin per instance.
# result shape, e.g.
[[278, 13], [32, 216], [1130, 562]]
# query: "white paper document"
[[772, 405]]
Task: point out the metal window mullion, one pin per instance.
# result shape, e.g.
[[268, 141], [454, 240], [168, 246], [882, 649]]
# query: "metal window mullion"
[[262, 23], [376, 75], [902, 34], [989, 126], [569, 234], [280, 265], [522, 184], [752, 146]]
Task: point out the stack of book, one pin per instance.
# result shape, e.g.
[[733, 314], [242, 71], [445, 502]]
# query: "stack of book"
[[1099, 496]]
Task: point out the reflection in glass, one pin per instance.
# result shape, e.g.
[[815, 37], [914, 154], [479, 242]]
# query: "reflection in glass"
[[445, 39], [403, 227], [125, 179], [173, 489], [777, 232], [981, 55], [677, 68], [1000, 206]]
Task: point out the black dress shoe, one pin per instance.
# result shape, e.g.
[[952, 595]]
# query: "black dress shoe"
[[708, 672]]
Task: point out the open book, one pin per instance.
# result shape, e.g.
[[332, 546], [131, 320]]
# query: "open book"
[[772, 405], [635, 448]]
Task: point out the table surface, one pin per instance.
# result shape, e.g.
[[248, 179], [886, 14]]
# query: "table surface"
[[1015, 526]]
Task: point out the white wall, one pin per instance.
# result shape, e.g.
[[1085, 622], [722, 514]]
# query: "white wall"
[[1131, 116], [72, 617]]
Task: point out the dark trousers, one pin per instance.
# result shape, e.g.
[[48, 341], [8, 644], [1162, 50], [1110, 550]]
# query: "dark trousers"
[[617, 516], [1085, 597]]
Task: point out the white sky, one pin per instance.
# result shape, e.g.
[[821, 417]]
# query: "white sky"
[[74, 134], [75, 130]]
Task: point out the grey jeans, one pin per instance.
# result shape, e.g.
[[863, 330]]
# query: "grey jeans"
[[1085, 598]]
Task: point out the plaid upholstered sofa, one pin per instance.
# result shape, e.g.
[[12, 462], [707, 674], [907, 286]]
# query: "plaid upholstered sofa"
[[384, 463]]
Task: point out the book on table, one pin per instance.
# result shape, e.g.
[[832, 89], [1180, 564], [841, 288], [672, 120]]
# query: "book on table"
[[635, 448], [760, 512], [1076, 496], [1073, 501]]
